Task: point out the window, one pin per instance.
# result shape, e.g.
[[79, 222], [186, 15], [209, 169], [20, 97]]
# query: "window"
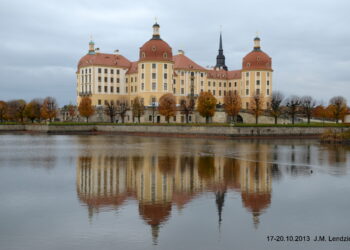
[[214, 92], [153, 65], [174, 90], [202, 83], [224, 84], [117, 71], [247, 91], [247, 83], [219, 92], [219, 84], [209, 83], [132, 79], [142, 66], [247, 73], [119, 80], [165, 86], [126, 89], [106, 89], [154, 75], [201, 90], [267, 92], [112, 71], [257, 91], [235, 84], [132, 88], [213, 84], [189, 118], [257, 82], [142, 86], [267, 82], [192, 73], [106, 79], [154, 86], [142, 76], [112, 89], [182, 82], [99, 79], [202, 74], [106, 71], [99, 102], [174, 81], [99, 89], [150, 118], [126, 80], [257, 74], [174, 118], [90, 71], [268, 74], [224, 92], [165, 76], [112, 79], [99, 71], [117, 89], [182, 91], [182, 73], [247, 105]]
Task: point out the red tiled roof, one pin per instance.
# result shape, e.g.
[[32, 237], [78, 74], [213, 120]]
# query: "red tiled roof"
[[156, 50], [183, 62], [257, 59], [133, 68], [104, 59]]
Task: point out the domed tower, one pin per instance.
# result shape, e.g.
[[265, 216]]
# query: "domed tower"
[[256, 75], [155, 68]]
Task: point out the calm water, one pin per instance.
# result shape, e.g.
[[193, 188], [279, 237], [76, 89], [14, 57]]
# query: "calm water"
[[125, 192]]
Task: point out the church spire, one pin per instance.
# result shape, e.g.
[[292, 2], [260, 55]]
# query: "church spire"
[[220, 59]]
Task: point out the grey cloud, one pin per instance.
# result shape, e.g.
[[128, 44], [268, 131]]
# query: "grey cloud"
[[42, 41]]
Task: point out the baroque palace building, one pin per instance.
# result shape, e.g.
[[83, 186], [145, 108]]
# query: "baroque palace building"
[[109, 77]]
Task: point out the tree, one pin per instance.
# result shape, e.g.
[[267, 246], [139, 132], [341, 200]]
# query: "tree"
[[15, 110], [275, 108], [3, 110], [256, 105], [49, 108], [338, 107], [167, 106], [110, 110], [293, 104], [138, 109], [232, 104], [307, 105], [122, 108], [206, 105], [187, 106], [85, 108], [320, 112], [33, 110], [71, 109]]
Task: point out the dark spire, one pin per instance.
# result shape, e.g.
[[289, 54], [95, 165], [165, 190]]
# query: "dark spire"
[[220, 199], [220, 59], [156, 35]]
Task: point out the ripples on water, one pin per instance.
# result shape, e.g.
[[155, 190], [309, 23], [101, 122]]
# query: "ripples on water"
[[87, 192]]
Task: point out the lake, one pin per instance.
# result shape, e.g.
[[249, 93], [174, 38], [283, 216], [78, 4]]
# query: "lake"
[[130, 192]]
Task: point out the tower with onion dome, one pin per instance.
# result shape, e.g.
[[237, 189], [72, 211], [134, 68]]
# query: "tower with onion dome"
[[256, 75], [155, 68]]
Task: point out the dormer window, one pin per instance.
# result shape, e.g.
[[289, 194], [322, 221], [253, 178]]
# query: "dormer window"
[[165, 55], [143, 54], [154, 48]]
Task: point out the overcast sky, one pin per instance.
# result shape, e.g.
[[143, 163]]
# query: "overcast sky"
[[42, 41]]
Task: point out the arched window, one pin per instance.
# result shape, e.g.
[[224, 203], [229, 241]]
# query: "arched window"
[[154, 48], [165, 55], [143, 54]]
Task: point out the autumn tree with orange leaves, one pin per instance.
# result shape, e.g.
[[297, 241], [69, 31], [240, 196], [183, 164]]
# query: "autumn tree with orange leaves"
[[338, 108], [232, 105], [49, 108], [33, 110], [85, 108], [206, 105], [167, 106], [256, 105], [3, 110]]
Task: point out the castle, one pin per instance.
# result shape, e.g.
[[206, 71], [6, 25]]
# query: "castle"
[[108, 77]]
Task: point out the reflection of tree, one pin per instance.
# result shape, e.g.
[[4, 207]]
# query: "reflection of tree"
[[206, 167], [167, 164]]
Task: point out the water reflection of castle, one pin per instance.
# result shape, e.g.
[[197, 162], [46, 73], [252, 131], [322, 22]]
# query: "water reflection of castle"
[[157, 181]]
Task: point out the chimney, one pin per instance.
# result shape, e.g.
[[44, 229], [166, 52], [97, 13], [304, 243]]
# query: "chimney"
[[97, 50], [181, 52], [116, 52]]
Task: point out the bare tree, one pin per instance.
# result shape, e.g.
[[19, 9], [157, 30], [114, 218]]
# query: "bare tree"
[[293, 105], [308, 104], [338, 107], [276, 101], [232, 105], [122, 108], [110, 110], [256, 105], [187, 106], [138, 109]]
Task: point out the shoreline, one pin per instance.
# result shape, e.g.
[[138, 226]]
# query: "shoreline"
[[215, 132]]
